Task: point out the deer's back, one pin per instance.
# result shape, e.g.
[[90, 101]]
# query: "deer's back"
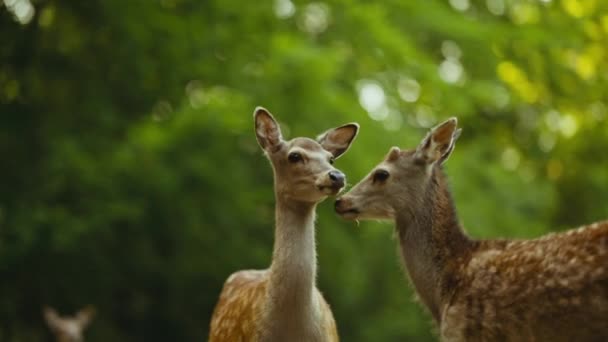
[[554, 288]]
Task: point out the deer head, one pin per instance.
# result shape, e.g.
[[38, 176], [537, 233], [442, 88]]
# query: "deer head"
[[400, 181], [69, 328], [303, 167]]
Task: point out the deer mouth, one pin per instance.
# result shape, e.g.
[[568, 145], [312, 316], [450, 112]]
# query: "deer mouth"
[[330, 189], [350, 214], [347, 213]]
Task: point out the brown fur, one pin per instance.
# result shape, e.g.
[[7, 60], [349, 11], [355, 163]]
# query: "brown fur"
[[241, 303], [282, 303], [554, 288]]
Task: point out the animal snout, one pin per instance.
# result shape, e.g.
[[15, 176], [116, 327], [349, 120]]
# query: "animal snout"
[[338, 205], [337, 179], [344, 207]]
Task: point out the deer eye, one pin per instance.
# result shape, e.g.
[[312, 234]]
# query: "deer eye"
[[381, 176], [294, 157], [332, 160]]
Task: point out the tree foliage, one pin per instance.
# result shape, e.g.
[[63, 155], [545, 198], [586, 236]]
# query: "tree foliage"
[[131, 179]]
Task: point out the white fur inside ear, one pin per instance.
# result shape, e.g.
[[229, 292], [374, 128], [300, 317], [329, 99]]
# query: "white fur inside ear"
[[434, 148], [438, 144], [338, 140], [267, 130]]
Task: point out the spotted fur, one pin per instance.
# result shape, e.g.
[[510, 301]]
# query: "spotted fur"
[[241, 305], [554, 288]]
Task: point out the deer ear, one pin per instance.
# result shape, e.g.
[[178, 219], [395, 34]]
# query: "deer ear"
[[439, 142], [267, 130], [393, 154], [51, 317], [85, 316], [338, 140]]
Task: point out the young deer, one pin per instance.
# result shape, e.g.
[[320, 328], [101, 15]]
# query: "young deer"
[[554, 288], [69, 328], [282, 303]]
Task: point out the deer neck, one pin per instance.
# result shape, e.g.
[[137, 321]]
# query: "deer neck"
[[432, 243], [294, 262]]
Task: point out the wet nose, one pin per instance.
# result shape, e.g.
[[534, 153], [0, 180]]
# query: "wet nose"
[[337, 178]]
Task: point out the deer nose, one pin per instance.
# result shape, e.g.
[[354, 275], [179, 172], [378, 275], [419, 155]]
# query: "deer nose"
[[337, 178], [338, 204]]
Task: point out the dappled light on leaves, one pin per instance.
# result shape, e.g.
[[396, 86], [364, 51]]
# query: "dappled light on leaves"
[[585, 63], [284, 9], [425, 117], [22, 10], [565, 124], [315, 18], [525, 12], [460, 5], [518, 81], [450, 50], [546, 141], [130, 153], [510, 158], [46, 17], [568, 125], [450, 70], [577, 8], [393, 120], [373, 99], [496, 7], [598, 110], [162, 111], [408, 89], [196, 94]]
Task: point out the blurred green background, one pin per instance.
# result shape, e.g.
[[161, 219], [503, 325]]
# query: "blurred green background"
[[131, 178]]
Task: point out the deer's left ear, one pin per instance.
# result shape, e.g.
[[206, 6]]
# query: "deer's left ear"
[[267, 130], [85, 316], [338, 140], [439, 142], [51, 317]]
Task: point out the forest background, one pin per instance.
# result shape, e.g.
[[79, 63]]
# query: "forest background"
[[131, 180]]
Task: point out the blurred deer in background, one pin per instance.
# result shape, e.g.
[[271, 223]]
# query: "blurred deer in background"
[[554, 288], [282, 303], [69, 328]]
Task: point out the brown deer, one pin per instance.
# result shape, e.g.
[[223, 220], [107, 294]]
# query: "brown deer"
[[554, 288], [282, 303], [69, 328]]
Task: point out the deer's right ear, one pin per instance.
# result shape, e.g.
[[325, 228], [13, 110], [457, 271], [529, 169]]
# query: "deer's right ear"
[[51, 317], [85, 316], [267, 130], [338, 140], [439, 142]]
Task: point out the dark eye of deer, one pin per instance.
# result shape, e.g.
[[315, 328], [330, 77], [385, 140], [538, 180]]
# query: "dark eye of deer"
[[381, 176], [331, 160], [294, 157]]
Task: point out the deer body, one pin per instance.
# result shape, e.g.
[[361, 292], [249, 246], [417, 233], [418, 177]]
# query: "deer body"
[[550, 289], [282, 303], [554, 288]]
